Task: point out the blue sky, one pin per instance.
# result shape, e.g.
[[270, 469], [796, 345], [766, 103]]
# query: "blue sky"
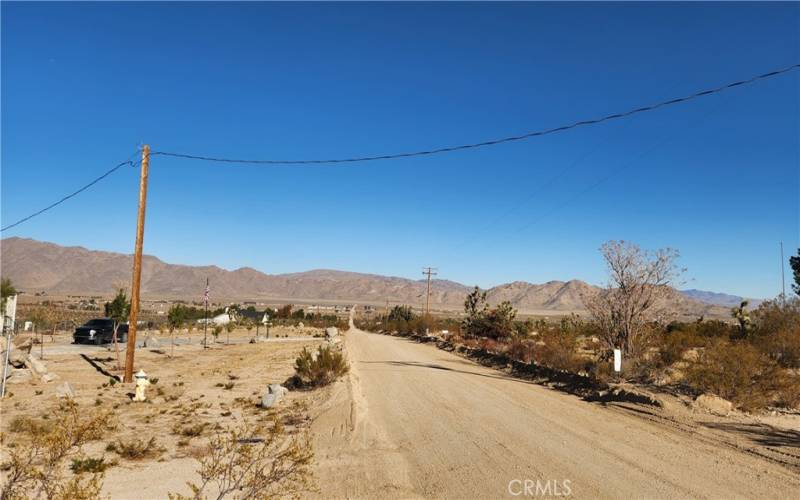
[[717, 178]]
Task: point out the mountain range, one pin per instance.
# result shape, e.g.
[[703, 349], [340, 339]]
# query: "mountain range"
[[36, 266]]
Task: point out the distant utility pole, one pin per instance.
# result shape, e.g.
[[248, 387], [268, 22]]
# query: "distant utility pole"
[[429, 271], [137, 267], [783, 278]]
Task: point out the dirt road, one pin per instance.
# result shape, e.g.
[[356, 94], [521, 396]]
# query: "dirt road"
[[415, 421]]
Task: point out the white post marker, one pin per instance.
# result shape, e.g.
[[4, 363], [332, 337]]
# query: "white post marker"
[[617, 360]]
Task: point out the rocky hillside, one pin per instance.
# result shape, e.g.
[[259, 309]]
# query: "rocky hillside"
[[36, 266]]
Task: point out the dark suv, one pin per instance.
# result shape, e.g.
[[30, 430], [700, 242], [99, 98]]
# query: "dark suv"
[[99, 331]]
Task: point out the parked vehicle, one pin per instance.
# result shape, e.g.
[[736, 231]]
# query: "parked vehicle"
[[99, 331]]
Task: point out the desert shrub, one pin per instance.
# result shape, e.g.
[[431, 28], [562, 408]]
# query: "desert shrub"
[[91, 465], [240, 465], [520, 350], [320, 368], [190, 430], [777, 331], [558, 351], [483, 321], [35, 467], [783, 345], [402, 313], [28, 425], [776, 315], [136, 449], [715, 329], [672, 344], [789, 391], [736, 371]]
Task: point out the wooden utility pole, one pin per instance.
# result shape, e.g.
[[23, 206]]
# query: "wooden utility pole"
[[428, 271], [783, 278], [386, 319], [137, 267]]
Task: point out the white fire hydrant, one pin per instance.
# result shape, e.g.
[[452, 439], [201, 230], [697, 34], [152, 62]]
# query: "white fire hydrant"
[[141, 383]]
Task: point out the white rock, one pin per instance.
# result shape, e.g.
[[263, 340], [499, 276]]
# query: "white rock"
[[269, 400], [19, 376], [713, 404], [36, 366], [274, 394], [151, 342], [65, 391]]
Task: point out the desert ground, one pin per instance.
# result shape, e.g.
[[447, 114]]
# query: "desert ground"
[[211, 388], [412, 421]]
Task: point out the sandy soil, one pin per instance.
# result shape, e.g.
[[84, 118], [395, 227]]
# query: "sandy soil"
[[415, 421], [191, 387]]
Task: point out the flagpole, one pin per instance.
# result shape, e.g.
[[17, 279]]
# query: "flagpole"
[[205, 323]]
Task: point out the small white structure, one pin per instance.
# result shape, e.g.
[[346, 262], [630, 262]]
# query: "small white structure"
[[141, 384]]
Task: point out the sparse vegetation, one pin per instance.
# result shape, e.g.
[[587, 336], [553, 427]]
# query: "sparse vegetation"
[[736, 371], [135, 449], [320, 368], [253, 462], [35, 465], [90, 465]]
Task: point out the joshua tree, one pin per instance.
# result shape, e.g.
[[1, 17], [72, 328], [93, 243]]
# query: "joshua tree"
[[742, 315], [794, 263]]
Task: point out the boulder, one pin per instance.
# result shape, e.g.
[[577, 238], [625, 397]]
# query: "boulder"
[[65, 391], [23, 343], [269, 400], [274, 394], [36, 366], [331, 332], [301, 325], [713, 404], [17, 357], [19, 376], [49, 377], [151, 342], [278, 389]]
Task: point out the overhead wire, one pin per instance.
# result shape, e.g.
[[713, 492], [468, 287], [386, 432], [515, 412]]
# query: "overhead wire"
[[116, 167], [492, 142]]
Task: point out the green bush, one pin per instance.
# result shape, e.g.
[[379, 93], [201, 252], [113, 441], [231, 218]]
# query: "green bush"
[[322, 369], [88, 464]]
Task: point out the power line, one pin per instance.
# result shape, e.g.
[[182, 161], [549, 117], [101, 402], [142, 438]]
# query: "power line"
[[67, 197], [620, 169], [492, 142]]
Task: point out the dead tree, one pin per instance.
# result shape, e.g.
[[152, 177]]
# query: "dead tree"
[[639, 294]]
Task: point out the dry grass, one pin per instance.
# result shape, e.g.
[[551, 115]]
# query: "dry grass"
[[136, 449]]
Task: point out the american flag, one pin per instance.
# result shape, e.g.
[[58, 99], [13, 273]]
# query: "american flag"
[[205, 295]]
